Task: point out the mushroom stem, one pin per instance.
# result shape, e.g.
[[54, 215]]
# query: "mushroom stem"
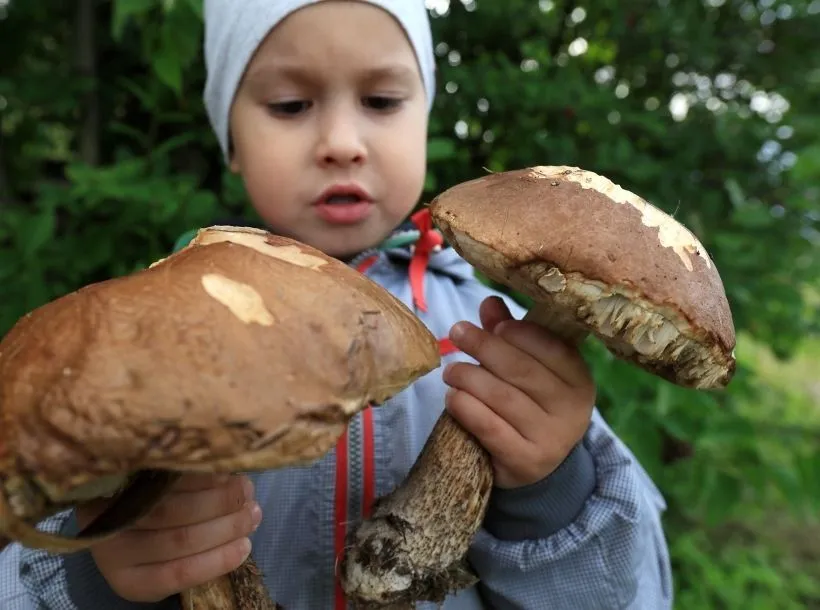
[[414, 546], [242, 589]]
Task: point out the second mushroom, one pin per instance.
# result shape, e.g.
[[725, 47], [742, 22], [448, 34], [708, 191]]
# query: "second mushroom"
[[595, 259], [202, 363]]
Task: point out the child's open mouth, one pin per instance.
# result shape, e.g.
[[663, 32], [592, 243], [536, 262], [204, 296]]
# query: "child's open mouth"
[[344, 205], [340, 199]]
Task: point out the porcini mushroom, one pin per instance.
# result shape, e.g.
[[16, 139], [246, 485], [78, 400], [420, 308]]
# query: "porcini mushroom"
[[595, 259], [215, 359]]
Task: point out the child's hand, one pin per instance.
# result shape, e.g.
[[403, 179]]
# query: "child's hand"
[[197, 533], [530, 400]]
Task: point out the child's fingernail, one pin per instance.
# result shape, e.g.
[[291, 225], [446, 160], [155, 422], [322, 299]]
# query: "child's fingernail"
[[449, 395], [247, 489], [458, 330], [256, 515]]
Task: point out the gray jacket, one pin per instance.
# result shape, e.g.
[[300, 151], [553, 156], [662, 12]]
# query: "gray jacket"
[[587, 537]]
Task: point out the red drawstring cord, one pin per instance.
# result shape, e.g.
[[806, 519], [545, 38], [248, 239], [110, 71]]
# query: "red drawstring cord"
[[429, 240]]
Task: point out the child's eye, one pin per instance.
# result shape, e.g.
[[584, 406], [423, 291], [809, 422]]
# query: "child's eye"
[[380, 102], [289, 108]]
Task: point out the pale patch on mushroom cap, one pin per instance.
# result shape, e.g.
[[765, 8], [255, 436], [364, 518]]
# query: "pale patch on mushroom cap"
[[259, 241], [243, 301], [671, 233]]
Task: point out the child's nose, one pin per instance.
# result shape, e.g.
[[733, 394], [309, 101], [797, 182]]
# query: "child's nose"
[[341, 144]]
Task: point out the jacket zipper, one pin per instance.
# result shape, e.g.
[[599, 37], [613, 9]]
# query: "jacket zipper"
[[343, 453]]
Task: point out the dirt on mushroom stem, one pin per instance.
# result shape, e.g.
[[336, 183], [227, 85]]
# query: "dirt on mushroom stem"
[[412, 547]]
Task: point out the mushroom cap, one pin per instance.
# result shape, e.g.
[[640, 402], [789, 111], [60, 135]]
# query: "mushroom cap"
[[242, 351], [605, 260]]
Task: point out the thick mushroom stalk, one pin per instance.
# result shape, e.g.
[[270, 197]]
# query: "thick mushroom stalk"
[[242, 589], [595, 259], [413, 546]]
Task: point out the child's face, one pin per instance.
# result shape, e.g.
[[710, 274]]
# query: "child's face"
[[333, 98]]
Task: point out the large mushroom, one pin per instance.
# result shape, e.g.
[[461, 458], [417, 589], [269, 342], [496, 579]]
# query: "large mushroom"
[[595, 259], [215, 359]]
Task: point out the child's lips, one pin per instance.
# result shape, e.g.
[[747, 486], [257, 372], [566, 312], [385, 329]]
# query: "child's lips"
[[344, 213], [344, 204]]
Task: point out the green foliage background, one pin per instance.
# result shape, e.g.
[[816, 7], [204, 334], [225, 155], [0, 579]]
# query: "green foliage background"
[[106, 157]]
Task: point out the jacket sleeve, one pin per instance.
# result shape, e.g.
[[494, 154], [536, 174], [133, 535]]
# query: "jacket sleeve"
[[13, 595], [71, 581], [587, 537]]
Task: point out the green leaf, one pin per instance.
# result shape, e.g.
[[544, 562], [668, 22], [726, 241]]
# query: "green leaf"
[[38, 230], [167, 67]]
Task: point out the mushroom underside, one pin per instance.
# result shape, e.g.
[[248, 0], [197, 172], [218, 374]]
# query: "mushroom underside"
[[30, 497], [23, 503]]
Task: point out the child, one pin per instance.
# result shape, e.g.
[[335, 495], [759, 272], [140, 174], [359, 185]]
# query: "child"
[[322, 108]]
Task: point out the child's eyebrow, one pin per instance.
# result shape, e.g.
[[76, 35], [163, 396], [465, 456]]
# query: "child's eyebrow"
[[276, 71], [387, 72]]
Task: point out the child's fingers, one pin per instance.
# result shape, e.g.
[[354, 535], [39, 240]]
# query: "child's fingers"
[[507, 401], [524, 355], [562, 359], [173, 543], [506, 361], [154, 582], [190, 507], [491, 431]]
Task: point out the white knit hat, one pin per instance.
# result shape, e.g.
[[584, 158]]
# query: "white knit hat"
[[235, 28]]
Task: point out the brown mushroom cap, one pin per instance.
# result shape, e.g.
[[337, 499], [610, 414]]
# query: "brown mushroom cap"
[[242, 351], [608, 261]]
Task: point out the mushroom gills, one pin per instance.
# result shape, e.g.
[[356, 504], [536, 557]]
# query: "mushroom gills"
[[144, 491]]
